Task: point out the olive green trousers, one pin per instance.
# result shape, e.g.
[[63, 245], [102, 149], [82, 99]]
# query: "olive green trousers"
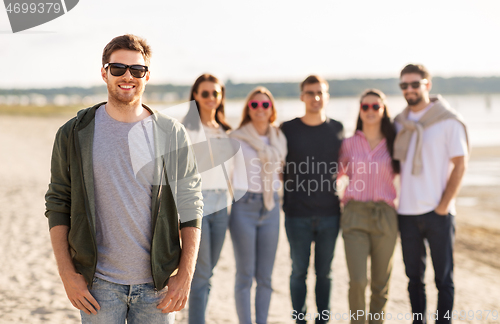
[[370, 230]]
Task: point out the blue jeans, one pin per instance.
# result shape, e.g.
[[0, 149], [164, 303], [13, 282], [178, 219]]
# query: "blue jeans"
[[439, 232], [301, 232], [135, 303], [254, 232], [213, 233]]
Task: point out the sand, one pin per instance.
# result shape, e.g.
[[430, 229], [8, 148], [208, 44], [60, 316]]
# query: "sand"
[[31, 291]]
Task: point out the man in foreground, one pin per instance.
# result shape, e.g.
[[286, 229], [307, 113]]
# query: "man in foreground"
[[432, 147], [121, 176]]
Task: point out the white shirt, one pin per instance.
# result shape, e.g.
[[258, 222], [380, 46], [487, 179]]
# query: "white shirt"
[[415, 116], [214, 178], [441, 142]]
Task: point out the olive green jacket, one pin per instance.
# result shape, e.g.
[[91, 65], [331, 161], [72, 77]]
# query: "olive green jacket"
[[176, 192]]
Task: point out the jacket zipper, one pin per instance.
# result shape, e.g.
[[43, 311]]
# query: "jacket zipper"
[[155, 217], [86, 199], [154, 228]]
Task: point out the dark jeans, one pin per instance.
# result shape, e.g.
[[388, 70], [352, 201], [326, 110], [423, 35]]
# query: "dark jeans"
[[301, 232], [439, 232]]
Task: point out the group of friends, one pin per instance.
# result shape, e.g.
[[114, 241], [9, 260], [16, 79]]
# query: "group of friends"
[[131, 189]]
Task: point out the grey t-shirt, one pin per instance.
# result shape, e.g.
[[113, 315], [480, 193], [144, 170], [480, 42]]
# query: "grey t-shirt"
[[123, 202]]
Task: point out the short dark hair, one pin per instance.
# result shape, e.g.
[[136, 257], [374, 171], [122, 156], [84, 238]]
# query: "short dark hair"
[[416, 68], [313, 79], [128, 42]]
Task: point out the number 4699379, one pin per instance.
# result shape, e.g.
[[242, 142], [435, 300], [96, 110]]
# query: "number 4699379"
[[472, 315], [38, 7]]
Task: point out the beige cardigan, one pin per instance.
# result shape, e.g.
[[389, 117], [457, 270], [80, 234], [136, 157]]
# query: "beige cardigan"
[[274, 153], [438, 112]]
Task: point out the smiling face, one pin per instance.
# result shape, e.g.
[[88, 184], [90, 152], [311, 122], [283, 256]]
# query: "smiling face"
[[125, 89], [415, 96], [260, 114], [371, 116], [315, 96], [205, 97]]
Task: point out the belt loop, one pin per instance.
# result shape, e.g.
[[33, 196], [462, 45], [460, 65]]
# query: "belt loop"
[[377, 215]]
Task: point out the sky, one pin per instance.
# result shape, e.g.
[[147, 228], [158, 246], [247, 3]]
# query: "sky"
[[257, 41]]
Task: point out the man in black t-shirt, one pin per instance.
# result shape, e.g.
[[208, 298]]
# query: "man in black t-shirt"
[[311, 205]]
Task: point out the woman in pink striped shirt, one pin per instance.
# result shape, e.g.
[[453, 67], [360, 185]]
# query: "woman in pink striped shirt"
[[369, 221]]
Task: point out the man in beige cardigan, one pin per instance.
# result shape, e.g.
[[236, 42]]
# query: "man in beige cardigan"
[[432, 147]]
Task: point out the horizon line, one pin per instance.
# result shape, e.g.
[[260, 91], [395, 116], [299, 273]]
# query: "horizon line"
[[230, 81]]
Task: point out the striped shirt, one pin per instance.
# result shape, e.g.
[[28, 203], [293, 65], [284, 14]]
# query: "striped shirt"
[[370, 173]]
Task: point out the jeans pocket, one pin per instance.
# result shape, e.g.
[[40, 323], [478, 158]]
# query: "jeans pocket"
[[252, 198], [153, 296], [438, 215]]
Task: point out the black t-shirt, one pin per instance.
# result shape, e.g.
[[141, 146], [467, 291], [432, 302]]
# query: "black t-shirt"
[[311, 167]]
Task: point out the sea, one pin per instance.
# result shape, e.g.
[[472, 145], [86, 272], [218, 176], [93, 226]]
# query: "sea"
[[480, 112]]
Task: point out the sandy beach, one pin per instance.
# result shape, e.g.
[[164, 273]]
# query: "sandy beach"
[[31, 291]]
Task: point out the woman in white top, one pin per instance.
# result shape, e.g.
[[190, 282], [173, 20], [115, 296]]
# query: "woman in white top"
[[254, 221], [206, 126]]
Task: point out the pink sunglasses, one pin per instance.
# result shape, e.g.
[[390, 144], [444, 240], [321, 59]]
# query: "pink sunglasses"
[[254, 104]]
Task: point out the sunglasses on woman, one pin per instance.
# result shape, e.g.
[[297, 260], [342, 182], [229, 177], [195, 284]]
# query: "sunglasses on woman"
[[119, 69], [205, 94], [254, 104], [374, 106]]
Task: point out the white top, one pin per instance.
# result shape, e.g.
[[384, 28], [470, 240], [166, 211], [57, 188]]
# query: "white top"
[[441, 142], [247, 170], [415, 116], [214, 178]]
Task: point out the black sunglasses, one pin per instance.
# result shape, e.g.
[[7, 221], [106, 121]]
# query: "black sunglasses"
[[205, 94], [375, 107], [119, 69], [414, 85]]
